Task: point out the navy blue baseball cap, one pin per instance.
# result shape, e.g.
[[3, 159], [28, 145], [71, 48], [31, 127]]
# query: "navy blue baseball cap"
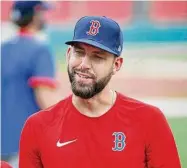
[[100, 32], [22, 8]]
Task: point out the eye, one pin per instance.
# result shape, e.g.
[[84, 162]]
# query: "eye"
[[98, 57], [79, 52]]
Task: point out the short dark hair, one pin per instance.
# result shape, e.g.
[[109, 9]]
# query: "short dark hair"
[[25, 20]]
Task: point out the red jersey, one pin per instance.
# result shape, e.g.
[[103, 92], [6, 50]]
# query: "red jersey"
[[131, 134]]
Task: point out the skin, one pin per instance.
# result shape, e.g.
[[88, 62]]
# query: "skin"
[[38, 22], [90, 70]]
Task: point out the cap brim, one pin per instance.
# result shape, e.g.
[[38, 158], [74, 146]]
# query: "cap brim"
[[92, 43]]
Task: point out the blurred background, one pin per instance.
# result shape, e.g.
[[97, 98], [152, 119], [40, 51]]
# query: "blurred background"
[[155, 51]]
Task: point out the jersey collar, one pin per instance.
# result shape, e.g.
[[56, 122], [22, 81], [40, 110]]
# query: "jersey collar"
[[25, 32]]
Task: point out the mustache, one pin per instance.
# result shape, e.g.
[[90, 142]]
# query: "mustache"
[[85, 72]]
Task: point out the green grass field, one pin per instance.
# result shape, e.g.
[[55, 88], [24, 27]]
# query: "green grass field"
[[179, 128]]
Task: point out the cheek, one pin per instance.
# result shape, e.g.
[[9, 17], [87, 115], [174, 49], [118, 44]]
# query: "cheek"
[[73, 62], [101, 71]]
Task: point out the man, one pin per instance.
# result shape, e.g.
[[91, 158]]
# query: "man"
[[28, 75], [97, 127]]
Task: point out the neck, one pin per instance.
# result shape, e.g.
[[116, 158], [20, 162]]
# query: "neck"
[[28, 30], [97, 105]]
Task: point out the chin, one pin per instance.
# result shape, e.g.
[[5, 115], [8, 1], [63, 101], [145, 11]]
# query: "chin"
[[85, 92]]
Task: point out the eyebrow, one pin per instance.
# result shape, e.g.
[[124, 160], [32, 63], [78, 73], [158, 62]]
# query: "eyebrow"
[[76, 46]]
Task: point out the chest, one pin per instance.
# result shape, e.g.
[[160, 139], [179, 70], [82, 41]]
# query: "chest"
[[91, 144]]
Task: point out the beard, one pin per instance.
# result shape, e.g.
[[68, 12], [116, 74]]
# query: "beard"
[[87, 91]]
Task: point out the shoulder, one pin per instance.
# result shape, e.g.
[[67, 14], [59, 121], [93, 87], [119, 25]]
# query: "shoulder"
[[38, 44], [8, 46], [138, 108], [6, 43], [37, 49], [53, 114], [31, 43], [42, 49]]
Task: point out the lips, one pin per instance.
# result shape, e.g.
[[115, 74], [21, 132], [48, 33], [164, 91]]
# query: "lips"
[[83, 75]]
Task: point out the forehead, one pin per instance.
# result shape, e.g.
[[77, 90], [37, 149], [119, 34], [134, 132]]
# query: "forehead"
[[90, 48]]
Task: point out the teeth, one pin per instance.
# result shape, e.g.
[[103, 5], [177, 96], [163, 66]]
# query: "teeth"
[[83, 76]]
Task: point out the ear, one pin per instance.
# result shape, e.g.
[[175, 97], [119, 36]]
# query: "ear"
[[68, 53], [118, 61]]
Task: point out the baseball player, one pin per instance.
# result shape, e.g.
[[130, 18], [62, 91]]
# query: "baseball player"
[[97, 127], [28, 74]]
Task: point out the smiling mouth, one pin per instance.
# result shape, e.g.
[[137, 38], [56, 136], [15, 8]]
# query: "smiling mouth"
[[84, 76]]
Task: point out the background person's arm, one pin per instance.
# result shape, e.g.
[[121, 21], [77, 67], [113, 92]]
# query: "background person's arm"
[[43, 78], [47, 97]]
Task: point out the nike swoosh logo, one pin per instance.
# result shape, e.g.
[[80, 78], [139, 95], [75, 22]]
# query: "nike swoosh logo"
[[58, 144]]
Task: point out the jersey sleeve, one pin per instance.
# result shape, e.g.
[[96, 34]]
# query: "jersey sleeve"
[[161, 150], [29, 155], [42, 67]]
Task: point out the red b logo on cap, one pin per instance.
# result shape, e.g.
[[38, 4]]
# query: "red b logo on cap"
[[94, 28]]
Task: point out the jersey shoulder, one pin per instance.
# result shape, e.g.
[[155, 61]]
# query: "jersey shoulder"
[[28, 43], [51, 115], [138, 108]]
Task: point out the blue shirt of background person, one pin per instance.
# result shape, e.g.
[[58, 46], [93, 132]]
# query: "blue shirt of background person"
[[28, 74]]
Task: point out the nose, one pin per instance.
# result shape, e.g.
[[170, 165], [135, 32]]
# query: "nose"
[[86, 62]]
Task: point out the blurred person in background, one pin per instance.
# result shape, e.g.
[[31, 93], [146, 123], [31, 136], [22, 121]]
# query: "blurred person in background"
[[97, 126], [28, 75]]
